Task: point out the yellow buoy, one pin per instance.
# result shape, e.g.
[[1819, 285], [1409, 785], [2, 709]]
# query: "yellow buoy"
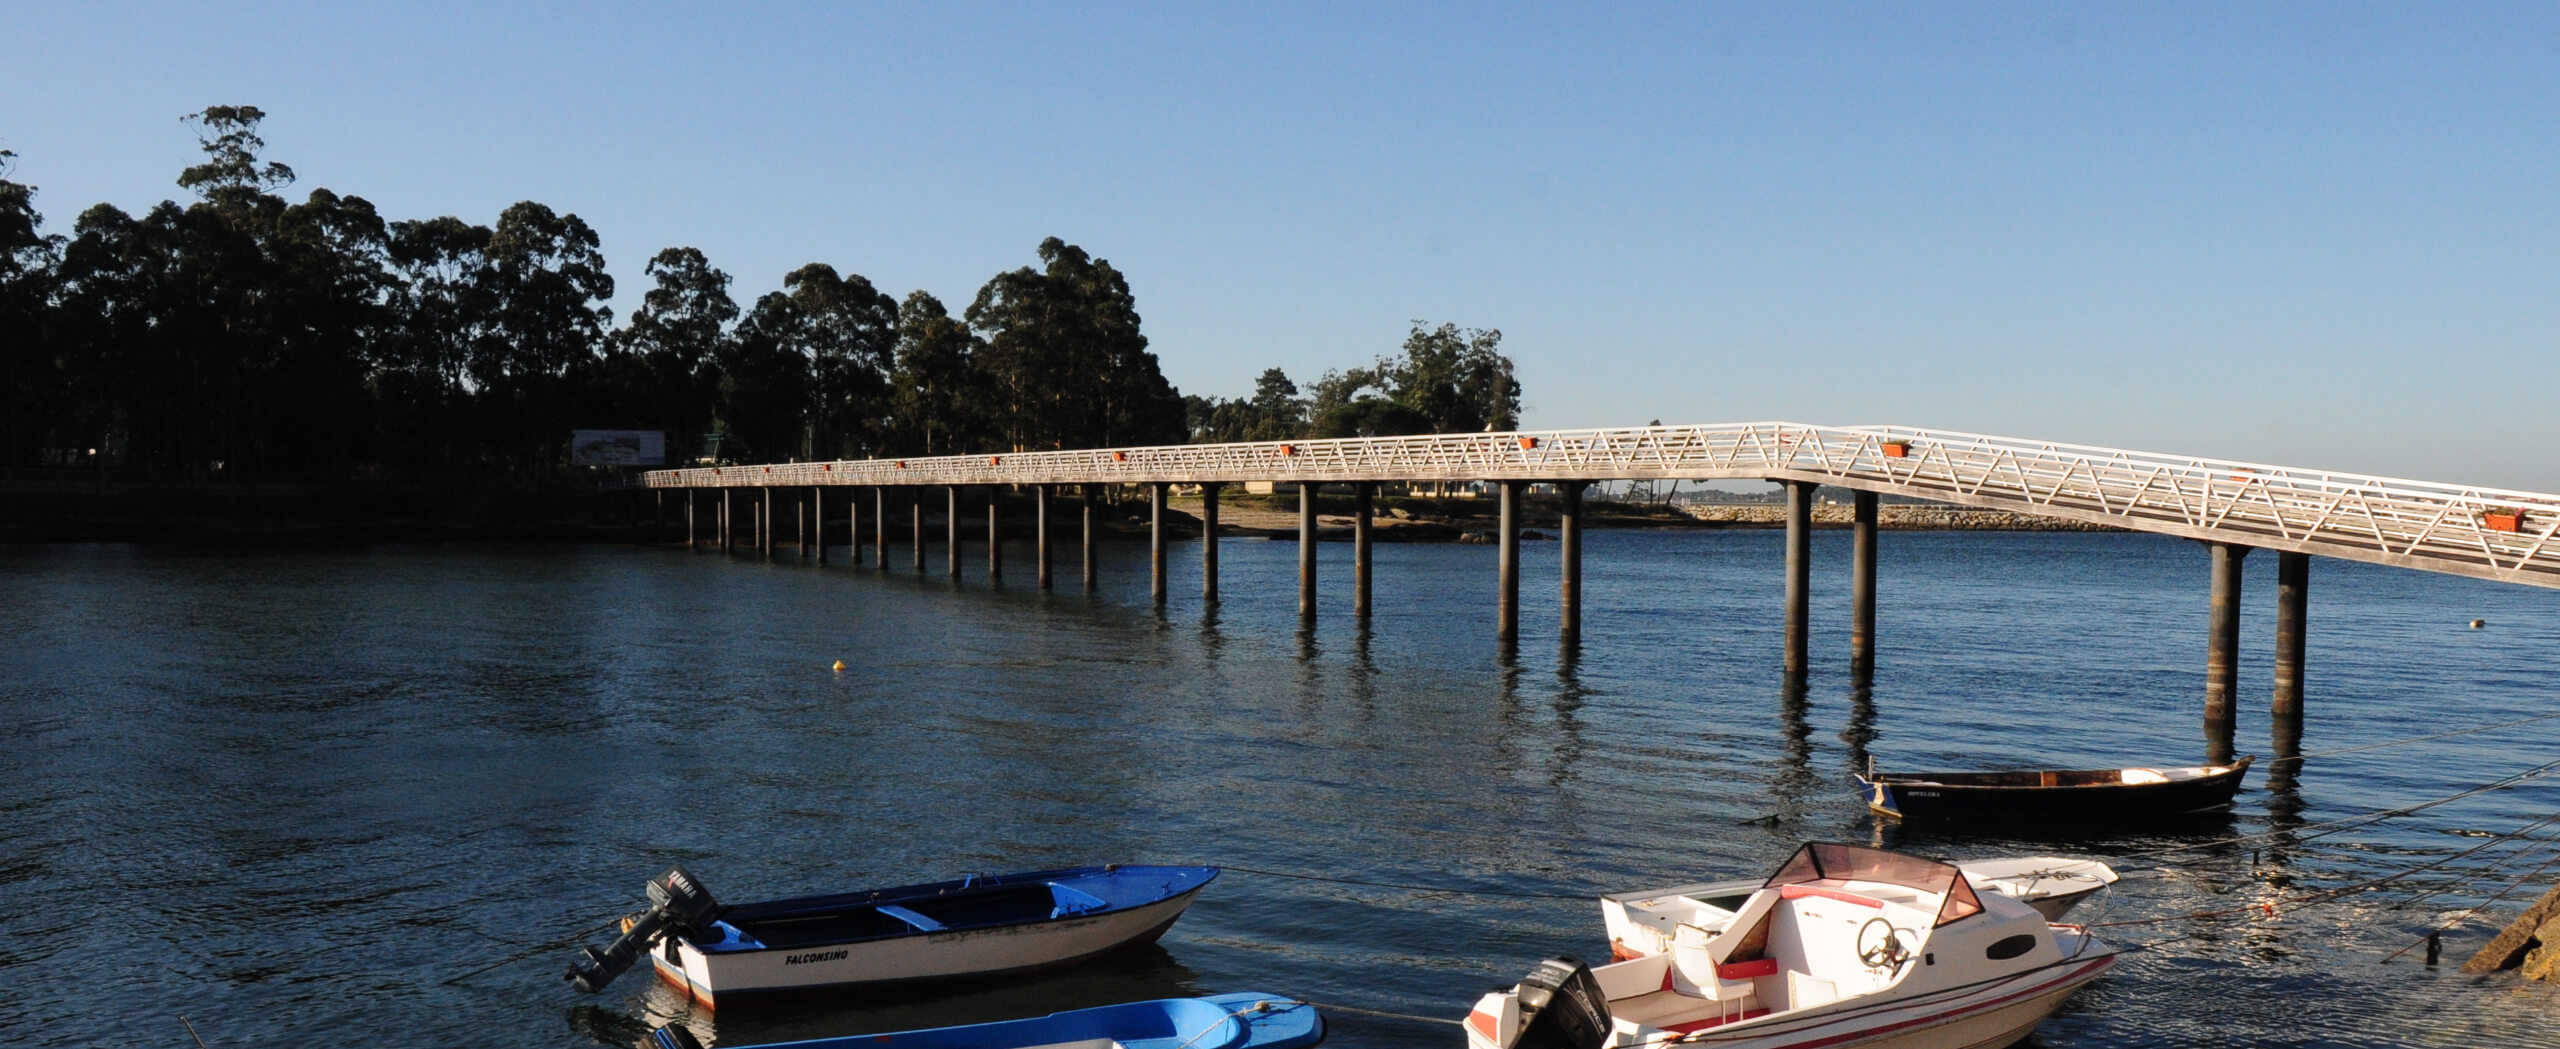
[[839, 666]]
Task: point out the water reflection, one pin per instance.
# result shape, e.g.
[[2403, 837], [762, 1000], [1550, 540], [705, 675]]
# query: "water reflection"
[[1861, 730], [1795, 747]]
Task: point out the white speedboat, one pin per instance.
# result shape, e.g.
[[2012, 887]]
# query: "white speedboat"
[[1642, 922], [1844, 946]]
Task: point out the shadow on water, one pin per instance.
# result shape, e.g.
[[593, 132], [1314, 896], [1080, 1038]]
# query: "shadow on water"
[[1861, 730], [1134, 974]]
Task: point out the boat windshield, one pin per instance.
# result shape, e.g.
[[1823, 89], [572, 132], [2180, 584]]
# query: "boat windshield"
[[1832, 861]]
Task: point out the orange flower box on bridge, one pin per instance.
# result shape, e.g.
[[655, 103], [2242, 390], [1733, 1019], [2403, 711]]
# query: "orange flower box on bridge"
[[2503, 520], [1897, 449]]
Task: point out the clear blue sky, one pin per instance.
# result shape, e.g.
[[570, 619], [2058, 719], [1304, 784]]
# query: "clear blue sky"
[[2322, 235]]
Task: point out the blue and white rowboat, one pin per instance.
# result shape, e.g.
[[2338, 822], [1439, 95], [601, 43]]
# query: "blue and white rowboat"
[[1222, 1021], [974, 926]]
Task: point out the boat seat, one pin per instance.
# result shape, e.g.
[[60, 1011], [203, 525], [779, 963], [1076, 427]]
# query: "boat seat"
[[909, 917]]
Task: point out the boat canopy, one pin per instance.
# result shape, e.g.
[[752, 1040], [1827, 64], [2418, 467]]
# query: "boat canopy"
[[1820, 861]]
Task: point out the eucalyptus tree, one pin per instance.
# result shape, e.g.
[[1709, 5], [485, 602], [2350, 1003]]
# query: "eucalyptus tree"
[[1065, 358], [666, 365], [30, 275], [938, 389], [847, 331], [547, 285], [445, 302]]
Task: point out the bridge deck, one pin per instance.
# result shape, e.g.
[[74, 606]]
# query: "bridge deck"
[[2411, 524]]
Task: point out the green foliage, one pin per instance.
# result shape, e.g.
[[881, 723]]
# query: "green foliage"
[[245, 336], [1066, 363], [1450, 380]]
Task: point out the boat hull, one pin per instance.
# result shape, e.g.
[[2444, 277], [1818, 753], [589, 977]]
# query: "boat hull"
[[1992, 1016], [1938, 801], [715, 980], [1225, 1021]]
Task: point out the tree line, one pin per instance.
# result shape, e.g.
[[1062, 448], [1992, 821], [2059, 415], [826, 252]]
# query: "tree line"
[[245, 334]]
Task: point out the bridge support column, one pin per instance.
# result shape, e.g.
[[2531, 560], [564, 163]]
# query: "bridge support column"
[[1862, 589], [1507, 565], [1040, 495], [1569, 541], [658, 524], [1799, 572], [1306, 552], [1365, 497], [915, 497], [1155, 542], [1092, 560], [995, 537], [2293, 593], [818, 519], [852, 528], [690, 542], [800, 521], [951, 526], [1209, 541], [720, 521], [880, 526], [764, 521], [2222, 649]]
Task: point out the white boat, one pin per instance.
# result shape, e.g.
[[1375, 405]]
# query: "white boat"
[[972, 927], [1844, 946], [1642, 922]]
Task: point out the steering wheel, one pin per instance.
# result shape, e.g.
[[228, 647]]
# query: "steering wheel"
[[1879, 946]]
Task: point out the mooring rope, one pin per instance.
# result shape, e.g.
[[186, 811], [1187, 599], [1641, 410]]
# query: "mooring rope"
[[1408, 886], [2346, 823], [2317, 897], [1383, 1014], [2484, 905], [2413, 739]]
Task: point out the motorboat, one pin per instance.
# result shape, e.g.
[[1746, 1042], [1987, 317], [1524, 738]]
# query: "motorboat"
[[970, 927], [1642, 922], [1220, 1021], [1844, 946], [2075, 797]]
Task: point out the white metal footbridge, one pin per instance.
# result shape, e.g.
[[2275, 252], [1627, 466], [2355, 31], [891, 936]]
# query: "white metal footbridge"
[[2487, 533]]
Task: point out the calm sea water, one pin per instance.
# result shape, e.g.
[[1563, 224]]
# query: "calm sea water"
[[300, 797]]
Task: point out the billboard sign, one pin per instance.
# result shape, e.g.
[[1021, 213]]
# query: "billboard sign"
[[617, 448]]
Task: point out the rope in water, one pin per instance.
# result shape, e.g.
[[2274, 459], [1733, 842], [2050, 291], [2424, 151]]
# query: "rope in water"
[[2413, 739], [1410, 887], [1329, 1007], [2321, 896], [2347, 823], [2484, 905]]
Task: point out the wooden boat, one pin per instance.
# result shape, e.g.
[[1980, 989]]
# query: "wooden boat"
[[1644, 922], [1219, 1021], [974, 926], [1845, 946], [2128, 795]]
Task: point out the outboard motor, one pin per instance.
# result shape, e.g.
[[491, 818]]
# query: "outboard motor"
[[678, 905], [1562, 1007]]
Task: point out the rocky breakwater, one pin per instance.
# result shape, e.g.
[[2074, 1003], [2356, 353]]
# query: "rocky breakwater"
[[1910, 518], [2531, 943]]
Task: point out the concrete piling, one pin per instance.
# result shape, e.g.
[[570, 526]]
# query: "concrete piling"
[[1364, 497], [1155, 542], [1306, 553], [995, 538], [2293, 590], [1092, 560], [1799, 573], [951, 526], [1507, 564], [1209, 542], [1862, 587], [1040, 496], [1569, 540]]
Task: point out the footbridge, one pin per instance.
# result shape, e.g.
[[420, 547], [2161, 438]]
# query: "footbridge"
[[2231, 506]]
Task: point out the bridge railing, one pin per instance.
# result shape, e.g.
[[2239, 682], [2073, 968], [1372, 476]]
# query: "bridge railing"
[[2469, 530]]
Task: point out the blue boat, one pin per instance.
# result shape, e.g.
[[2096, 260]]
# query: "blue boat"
[[1220, 1021], [968, 927]]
